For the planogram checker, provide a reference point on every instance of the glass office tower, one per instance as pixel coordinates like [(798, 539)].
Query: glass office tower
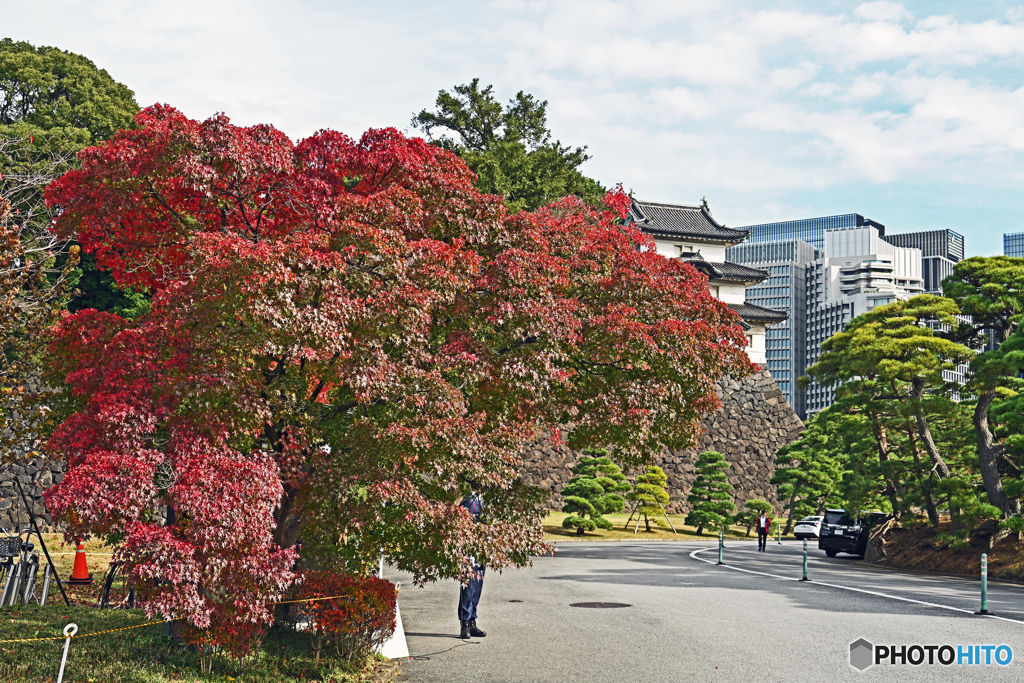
[(940, 251), (1013, 244), (784, 290), (810, 230)]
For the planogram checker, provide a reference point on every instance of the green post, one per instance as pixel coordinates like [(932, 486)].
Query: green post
[(778, 529), (721, 543), (805, 562), (984, 584)]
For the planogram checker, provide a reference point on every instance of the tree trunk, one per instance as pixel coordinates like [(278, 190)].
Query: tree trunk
[(929, 500), (938, 464), (892, 491), (288, 518), (792, 511), (988, 457)]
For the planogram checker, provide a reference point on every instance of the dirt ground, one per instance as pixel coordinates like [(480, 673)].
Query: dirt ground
[(923, 550)]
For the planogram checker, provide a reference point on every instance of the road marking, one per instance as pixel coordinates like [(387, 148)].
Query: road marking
[(693, 556)]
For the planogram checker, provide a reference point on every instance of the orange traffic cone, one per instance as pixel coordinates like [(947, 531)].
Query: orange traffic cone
[(80, 575)]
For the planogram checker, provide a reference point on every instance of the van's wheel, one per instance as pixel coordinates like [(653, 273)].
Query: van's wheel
[(831, 553)]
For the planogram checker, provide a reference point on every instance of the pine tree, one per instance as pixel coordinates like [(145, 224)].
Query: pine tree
[(710, 495), (650, 496), (593, 492)]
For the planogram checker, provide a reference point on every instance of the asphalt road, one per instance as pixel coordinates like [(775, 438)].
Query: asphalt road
[(689, 619)]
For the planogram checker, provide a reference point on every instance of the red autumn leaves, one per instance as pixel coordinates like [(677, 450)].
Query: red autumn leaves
[(343, 331)]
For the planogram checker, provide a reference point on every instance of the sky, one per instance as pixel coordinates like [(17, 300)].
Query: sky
[(911, 114)]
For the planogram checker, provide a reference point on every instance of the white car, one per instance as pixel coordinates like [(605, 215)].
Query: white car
[(808, 527)]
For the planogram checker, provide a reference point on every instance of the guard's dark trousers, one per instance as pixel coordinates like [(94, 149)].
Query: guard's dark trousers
[(469, 595), (762, 539)]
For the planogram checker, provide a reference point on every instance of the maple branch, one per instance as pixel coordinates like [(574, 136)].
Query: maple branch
[(517, 345), (163, 202)]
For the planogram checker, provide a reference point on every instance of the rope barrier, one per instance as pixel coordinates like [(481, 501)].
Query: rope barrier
[(84, 635), (151, 623)]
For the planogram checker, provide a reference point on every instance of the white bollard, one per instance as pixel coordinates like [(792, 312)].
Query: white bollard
[(73, 628)]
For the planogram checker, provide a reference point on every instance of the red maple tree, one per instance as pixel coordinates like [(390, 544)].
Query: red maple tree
[(342, 333)]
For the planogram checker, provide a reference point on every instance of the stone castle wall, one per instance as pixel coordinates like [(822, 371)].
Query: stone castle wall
[(754, 423), (36, 475)]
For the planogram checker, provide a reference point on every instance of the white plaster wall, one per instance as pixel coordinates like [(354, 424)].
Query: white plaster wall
[(715, 253), (732, 294), (756, 343)]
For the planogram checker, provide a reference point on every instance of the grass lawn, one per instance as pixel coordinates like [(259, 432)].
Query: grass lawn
[(555, 532), (144, 654)]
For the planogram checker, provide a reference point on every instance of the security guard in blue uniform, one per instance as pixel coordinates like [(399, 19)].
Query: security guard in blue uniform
[(469, 593)]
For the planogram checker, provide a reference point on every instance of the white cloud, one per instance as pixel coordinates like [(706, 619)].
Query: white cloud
[(882, 11), (791, 77), (745, 100)]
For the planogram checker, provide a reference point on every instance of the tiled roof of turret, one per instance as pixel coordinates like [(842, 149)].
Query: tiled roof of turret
[(682, 221), (759, 313), (726, 271)]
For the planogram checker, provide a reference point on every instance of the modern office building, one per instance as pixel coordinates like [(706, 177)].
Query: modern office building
[(810, 230), (787, 263), (690, 234), (940, 251), (1013, 244), (858, 271), (823, 289)]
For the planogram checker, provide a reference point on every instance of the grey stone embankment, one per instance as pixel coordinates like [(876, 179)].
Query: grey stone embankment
[(36, 475), (755, 421)]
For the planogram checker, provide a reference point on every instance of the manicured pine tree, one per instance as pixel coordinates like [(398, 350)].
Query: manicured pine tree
[(650, 495), (593, 492), (710, 495)]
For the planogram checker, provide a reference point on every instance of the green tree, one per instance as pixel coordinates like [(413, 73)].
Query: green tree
[(752, 509), (54, 103), (887, 365), (509, 148), (990, 291), (593, 492), (650, 495), (44, 90), (709, 494), (809, 470)]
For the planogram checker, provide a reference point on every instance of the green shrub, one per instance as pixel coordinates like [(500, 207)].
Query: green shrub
[(710, 495), (593, 492), (650, 496)]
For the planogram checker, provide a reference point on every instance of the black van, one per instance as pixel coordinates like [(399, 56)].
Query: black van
[(842, 534)]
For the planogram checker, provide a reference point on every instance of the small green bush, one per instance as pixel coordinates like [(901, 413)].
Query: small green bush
[(650, 496), (593, 492)]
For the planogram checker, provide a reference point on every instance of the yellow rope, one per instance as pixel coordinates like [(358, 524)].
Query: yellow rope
[(84, 635), (162, 621)]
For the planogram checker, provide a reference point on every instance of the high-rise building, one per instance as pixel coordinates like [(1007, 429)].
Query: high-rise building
[(810, 230), (858, 271), (823, 289), (1013, 244), (785, 289), (940, 251)]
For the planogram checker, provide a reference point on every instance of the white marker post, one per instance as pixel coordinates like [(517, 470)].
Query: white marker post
[(69, 632)]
